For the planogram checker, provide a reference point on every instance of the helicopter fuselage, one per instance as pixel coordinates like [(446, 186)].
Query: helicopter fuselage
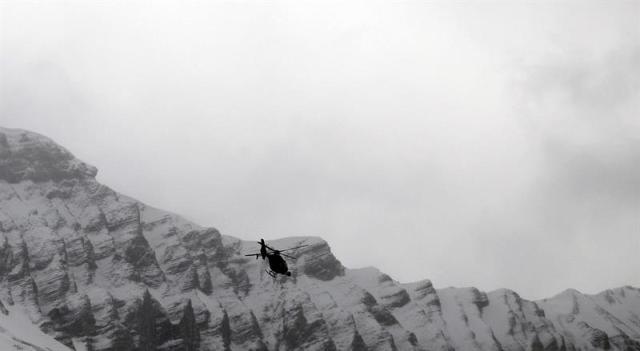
[(278, 264)]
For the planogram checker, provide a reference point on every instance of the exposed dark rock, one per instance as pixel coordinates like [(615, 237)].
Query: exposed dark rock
[(368, 299), (59, 194), (225, 329), (6, 258), (596, 337), (146, 324), (3, 309), (189, 329), (321, 264), (383, 316), (298, 331), (480, 299), (397, 299), (384, 278), (73, 320), (624, 343), (413, 340), (379, 313), (192, 281), (536, 345), (206, 285), (358, 343)]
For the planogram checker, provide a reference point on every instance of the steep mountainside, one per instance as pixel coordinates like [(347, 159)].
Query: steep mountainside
[(17, 332), (98, 270)]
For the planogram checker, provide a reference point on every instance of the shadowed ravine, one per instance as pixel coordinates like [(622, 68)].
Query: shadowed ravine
[(98, 270)]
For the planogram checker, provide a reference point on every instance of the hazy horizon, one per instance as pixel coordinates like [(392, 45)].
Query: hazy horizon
[(487, 144)]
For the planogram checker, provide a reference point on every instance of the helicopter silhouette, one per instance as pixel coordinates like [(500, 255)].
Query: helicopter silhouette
[(277, 264)]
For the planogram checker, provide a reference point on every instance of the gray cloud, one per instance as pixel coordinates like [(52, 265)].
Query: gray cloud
[(471, 143), (585, 116)]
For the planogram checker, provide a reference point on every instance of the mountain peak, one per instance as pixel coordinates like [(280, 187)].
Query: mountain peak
[(102, 271), (26, 155)]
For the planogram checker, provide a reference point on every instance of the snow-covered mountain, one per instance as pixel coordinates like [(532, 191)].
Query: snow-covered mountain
[(98, 270), (18, 332)]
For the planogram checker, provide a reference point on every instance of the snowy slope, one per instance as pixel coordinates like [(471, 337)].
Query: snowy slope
[(17, 332), (98, 270), (608, 319)]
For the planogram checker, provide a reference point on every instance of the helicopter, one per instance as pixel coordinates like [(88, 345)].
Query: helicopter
[(277, 264)]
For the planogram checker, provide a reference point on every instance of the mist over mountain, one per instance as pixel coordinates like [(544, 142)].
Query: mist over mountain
[(83, 267)]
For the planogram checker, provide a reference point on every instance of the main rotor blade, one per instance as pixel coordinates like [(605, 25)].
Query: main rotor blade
[(253, 254), (285, 255), (293, 248)]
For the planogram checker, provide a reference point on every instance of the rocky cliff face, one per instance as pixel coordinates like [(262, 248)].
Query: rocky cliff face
[(100, 271)]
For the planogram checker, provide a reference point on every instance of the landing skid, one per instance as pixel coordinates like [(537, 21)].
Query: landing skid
[(271, 273)]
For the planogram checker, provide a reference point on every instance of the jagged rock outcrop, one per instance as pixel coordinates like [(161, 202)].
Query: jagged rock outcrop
[(98, 270)]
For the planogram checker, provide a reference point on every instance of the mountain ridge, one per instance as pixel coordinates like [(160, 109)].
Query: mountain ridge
[(99, 270)]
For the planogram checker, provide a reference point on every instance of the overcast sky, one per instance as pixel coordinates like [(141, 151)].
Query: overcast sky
[(479, 143)]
